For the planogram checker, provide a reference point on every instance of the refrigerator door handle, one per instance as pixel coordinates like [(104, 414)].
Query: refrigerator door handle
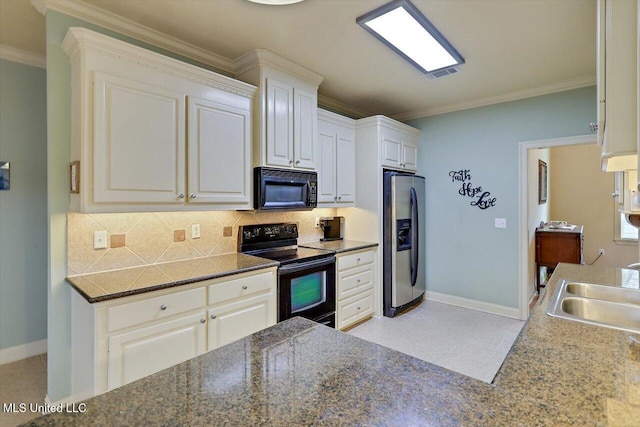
[(414, 237)]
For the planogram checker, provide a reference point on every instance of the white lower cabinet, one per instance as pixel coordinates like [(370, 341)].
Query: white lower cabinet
[(355, 284), (119, 341), (143, 351), (241, 307)]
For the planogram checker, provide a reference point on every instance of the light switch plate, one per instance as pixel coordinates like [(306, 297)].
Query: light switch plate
[(501, 222), (100, 239)]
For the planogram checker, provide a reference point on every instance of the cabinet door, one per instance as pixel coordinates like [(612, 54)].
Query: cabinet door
[(409, 156), (391, 151), (232, 321), (601, 69), (327, 164), (279, 123), (219, 153), (144, 351), (305, 124), (139, 142), (346, 167)]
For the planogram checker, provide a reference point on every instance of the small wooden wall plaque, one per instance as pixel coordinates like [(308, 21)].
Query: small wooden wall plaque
[(74, 177)]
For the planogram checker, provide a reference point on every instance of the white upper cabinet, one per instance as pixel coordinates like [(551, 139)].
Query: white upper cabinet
[(617, 75), (153, 133), (286, 110), (219, 153), (336, 160), (399, 147)]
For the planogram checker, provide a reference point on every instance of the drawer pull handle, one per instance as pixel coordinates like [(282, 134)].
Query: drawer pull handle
[(213, 316), (203, 320), (163, 307), (244, 287)]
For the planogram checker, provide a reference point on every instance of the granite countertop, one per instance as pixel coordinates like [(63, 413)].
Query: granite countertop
[(339, 246), (130, 281), (297, 372)]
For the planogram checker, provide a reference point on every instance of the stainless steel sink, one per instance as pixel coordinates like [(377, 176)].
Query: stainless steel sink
[(606, 293), (609, 306)]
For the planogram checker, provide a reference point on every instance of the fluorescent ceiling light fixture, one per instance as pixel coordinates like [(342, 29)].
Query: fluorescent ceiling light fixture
[(402, 27), (275, 2)]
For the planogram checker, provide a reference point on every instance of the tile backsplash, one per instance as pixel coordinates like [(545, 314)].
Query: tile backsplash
[(138, 239)]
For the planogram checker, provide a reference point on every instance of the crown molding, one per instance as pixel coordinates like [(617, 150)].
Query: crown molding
[(576, 83), (340, 107), (22, 56), (389, 123), (264, 57), (127, 27)]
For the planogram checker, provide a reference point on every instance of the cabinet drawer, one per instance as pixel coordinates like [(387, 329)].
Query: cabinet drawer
[(354, 260), (354, 281), (241, 287), (355, 309), (155, 308)]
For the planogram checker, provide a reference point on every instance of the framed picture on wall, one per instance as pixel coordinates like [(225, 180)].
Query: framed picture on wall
[(542, 182), (4, 175)]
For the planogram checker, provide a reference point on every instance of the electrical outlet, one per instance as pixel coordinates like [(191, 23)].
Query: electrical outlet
[(600, 251), (500, 222), (195, 231), (317, 222), (100, 239)]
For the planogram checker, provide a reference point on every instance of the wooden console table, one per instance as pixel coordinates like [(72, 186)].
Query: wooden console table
[(554, 245)]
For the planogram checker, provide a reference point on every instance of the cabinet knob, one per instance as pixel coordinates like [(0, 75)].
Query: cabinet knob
[(339, 197), (358, 281), (244, 287), (358, 260), (192, 195), (615, 194), (358, 308), (181, 195), (163, 307), (213, 316), (290, 162), (297, 162)]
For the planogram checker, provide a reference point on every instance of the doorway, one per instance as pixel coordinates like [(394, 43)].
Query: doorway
[(524, 227)]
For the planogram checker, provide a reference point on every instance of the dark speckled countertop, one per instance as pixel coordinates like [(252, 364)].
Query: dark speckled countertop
[(340, 246), (130, 281), (297, 372)]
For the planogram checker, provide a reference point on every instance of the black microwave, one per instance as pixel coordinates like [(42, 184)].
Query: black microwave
[(284, 189)]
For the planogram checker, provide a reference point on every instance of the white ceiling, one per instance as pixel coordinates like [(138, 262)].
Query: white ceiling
[(512, 48)]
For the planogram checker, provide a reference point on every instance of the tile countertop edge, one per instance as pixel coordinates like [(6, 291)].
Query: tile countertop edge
[(340, 246), (71, 280)]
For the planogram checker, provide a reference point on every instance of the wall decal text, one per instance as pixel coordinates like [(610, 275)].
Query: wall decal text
[(483, 199)]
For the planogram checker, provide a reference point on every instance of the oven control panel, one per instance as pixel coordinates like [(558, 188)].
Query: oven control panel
[(267, 232)]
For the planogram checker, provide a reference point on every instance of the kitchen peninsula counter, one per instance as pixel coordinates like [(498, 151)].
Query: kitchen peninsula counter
[(136, 280), (297, 372)]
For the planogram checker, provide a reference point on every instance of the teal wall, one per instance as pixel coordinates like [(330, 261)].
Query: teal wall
[(23, 209), (59, 136), (465, 255)]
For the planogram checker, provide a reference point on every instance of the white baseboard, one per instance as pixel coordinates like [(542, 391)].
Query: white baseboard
[(486, 307), (19, 352)]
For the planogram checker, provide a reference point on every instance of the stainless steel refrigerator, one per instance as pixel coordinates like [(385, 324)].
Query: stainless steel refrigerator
[(403, 248)]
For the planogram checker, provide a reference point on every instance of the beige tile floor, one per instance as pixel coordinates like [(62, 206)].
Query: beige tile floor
[(466, 341), (24, 381), (470, 342)]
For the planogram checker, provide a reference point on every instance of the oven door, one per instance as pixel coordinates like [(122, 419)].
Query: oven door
[(308, 289)]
